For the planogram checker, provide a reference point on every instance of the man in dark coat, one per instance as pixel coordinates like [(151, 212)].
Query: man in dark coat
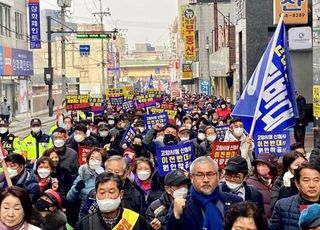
[(286, 212), (206, 205), (301, 122)]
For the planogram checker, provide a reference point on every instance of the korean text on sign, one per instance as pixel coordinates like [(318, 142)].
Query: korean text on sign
[(272, 142), (173, 157), (221, 152), (151, 120), (77, 102)]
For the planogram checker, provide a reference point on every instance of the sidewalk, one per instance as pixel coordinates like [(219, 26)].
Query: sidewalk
[(22, 121)]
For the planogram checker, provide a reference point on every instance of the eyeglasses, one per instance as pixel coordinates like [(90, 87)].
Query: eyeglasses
[(201, 176), (234, 177)]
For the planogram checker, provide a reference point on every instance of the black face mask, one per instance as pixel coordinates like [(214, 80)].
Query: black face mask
[(138, 148), (43, 205), (169, 139)]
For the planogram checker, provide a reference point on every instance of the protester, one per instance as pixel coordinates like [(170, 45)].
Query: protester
[(206, 205), (310, 218), (68, 125), (20, 175), (284, 185), (286, 212), (49, 204), (235, 182), (119, 124), (44, 169), (184, 134), (143, 171), (103, 136), (170, 136), (264, 174), (236, 133), (9, 141), (201, 136), (110, 214), (223, 112), (205, 146), (176, 186), (85, 182), (16, 210), (298, 147), (244, 216)]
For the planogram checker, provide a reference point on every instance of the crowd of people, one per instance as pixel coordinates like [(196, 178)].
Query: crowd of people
[(117, 184)]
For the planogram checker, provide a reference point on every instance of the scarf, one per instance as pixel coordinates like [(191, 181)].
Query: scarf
[(213, 217), (21, 226)]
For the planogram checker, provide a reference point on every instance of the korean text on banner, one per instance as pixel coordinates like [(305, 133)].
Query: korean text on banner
[(128, 135), (175, 156), (77, 102), (272, 142), (221, 152), (97, 104), (221, 131), (189, 35), (268, 102), (116, 101), (82, 153), (34, 24), (151, 120)]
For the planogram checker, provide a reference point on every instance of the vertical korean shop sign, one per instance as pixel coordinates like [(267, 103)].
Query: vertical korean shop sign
[(34, 24), (316, 100), (295, 11), (189, 35)]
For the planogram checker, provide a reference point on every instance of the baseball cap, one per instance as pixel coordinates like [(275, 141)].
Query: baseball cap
[(267, 158), (237, 164), (175, 178), (310, 217), (102, 125), (35, 121)]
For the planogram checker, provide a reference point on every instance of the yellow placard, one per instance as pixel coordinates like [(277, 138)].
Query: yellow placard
[(295, 11), (316, 100)]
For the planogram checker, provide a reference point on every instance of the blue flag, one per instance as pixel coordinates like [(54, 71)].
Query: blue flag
[(268, 102)]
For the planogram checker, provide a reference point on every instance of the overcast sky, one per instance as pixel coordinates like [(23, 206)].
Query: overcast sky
[(141, 20)]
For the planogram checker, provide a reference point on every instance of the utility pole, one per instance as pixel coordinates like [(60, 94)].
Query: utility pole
[(48, 72), (63, 4), (101, 14)]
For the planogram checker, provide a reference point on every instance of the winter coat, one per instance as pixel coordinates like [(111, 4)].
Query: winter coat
[(55, 220), (89, 178), (204, 149), (95, 221), (159, 209), (157, 187), (88, 141), (192, 216), (286, 213), (27, 180), (266, 193), (275, 191)]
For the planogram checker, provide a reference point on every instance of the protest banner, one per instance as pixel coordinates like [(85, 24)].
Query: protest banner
[(173, 157), (169, 106), (152, 119), (221, 131), (114, 92), (82, 153), (272, 142), (221, 152), (116, 101), (171, 113), (155, 94), (97, 104), (128, 136), (143, 101), (77, 102), (128, 105)]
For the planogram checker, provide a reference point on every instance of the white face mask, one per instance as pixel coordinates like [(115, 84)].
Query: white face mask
[(201, 136), (58, 143), (143, 175), (188, 126), (93, 164), (111, 122), (211, 138), (233, 186), (238, 132), (36, 129), (43, 173), (180, 193), (178, 122), (3, 130), (160, 138), (103, 133), (184, 138), (78, 137), (108, 205), (67, 127), (12, 172), (88, 132)]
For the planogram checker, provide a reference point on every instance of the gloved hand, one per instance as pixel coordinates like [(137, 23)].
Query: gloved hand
[(287, 179), (80, 185)]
